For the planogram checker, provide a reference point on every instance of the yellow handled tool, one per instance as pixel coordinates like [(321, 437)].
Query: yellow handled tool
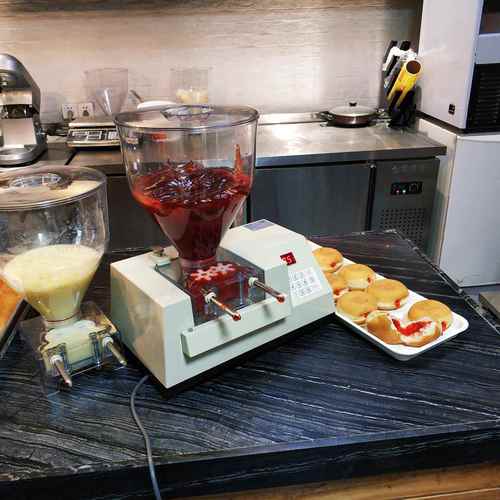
[(405, 81)]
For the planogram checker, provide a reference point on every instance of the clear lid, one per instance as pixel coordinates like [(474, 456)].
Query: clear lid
[(41, 187), (187, 117)]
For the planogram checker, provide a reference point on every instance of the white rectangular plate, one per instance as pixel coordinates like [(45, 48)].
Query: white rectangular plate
[(400, 351)]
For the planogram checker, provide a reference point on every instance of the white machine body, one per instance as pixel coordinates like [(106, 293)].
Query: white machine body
[(156, 321)]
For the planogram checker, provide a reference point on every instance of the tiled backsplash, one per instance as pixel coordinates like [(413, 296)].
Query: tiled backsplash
[(278, 55)]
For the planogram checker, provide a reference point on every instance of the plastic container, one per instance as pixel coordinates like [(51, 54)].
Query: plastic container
[(190, 85), (192, 168), (108, 87), (53, 233)]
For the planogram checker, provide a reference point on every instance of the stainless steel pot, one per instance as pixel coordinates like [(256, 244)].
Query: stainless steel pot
[(352, 115)]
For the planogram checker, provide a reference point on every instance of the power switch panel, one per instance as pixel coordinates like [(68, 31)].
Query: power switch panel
[(402, 188)]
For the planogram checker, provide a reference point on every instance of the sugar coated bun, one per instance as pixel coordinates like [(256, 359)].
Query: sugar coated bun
[(380, 324), (390, 294), (329, 259), (338, 285), (9, 300), (356, 306), (358, 276), (432, 309), (420, 332)]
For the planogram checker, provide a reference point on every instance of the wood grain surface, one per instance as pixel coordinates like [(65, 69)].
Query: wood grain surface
[(322, 405), (481, 482)]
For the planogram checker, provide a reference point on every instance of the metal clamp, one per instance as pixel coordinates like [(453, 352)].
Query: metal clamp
[(254, 282), (57, 359), (108, 342), (211, 298)]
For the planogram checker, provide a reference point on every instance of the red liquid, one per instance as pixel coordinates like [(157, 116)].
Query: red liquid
[(193, 205)]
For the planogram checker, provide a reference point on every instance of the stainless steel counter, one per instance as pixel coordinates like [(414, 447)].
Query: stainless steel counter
[(286, 144), (309, 143)]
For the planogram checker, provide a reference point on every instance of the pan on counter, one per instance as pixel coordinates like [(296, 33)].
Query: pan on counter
[(352, 115)]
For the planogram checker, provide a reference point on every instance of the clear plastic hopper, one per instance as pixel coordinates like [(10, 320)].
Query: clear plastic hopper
[(53, 233), (192, 168)]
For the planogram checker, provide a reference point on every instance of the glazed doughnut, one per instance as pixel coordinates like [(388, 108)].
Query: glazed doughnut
[(390, 294), (432, 309), (337, 284), (358, 276), (329, 259), (356, 306)]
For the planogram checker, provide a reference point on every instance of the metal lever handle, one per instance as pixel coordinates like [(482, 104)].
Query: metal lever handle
[(211, 297), (280, 297), (57, 361), (115, 351)]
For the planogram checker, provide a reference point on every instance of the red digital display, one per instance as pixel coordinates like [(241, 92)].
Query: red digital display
[(288, 258)]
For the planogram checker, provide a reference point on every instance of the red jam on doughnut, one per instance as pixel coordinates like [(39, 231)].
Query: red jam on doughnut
[(411, 328)]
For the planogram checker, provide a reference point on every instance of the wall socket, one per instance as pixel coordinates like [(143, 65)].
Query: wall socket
[(80, 110), (85, 109), (69, 111)]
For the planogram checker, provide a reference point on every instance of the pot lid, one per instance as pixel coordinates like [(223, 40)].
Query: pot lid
[(353, 110), (41, 187), (187, 117)]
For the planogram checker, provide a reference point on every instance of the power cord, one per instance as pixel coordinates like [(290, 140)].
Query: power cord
[(138, 422)]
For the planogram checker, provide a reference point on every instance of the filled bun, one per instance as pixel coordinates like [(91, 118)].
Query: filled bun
[(329, 259), (358, 276), (390, 294), (338, 285), (356, 306), (418, 333), (433, 309), (393, 331), (380, 324)]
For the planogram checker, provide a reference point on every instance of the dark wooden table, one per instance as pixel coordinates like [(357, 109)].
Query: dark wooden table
[(324, 404)]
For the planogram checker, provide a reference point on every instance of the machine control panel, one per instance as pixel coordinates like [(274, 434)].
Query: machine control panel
[(304, 282), (402, 188)]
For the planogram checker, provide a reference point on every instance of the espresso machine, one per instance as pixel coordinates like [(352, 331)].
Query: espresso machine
[(22, 139), (218, 292)]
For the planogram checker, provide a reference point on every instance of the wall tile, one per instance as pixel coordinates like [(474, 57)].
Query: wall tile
[(282, 55)]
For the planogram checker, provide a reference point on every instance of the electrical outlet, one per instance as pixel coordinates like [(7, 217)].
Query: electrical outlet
[(69, 111), (85, 109)]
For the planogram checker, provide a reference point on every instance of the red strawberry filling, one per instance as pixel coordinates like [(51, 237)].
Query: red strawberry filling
[(411, 328)]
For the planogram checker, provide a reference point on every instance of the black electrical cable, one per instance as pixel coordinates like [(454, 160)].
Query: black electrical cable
[(151, 465)]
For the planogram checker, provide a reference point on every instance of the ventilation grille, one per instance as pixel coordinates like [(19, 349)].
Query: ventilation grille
[(409, 221), (484, 104)]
